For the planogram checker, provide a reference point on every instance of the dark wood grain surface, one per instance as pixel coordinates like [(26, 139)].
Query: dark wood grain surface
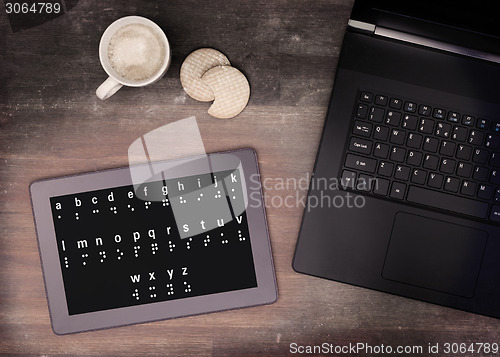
[(52, 124)]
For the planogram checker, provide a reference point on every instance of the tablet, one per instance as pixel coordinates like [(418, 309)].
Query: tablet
[(155, 241)]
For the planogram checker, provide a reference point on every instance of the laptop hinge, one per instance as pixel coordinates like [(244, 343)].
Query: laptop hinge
[(362, 27), (427, 42)]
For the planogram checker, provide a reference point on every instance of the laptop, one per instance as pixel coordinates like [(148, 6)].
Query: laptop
[(405, 193)]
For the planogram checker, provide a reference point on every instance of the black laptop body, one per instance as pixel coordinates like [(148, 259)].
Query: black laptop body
[(405, 195)]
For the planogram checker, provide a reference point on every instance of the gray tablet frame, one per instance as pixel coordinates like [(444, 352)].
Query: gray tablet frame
[(62, 323)]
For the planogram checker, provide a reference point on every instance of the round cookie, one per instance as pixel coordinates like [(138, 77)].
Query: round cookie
[(231, 91), (193, 68)]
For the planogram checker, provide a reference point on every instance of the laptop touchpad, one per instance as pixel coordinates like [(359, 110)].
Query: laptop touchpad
[(434, 254)]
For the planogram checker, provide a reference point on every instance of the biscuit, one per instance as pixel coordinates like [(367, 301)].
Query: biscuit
[(193, 68), (231, 90)]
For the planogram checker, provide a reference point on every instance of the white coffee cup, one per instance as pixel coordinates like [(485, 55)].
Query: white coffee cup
[(134, 52)]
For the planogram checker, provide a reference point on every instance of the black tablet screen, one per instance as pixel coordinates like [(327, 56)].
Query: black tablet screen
[(163, 240)]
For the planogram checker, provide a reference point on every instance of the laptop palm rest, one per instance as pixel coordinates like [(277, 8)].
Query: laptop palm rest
[(434, 254)]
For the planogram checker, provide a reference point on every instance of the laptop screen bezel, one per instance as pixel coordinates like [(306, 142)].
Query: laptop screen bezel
[(476, 34)]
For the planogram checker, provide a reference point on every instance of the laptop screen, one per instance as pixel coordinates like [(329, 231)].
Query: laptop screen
[(473, 24), (476, 16)]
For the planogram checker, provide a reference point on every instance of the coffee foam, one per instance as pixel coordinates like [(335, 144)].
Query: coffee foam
[(136, 52)]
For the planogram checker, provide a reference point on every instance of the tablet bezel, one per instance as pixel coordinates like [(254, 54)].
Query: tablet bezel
[(62, 323)]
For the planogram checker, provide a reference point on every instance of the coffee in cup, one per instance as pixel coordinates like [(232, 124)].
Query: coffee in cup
[(135, 52)]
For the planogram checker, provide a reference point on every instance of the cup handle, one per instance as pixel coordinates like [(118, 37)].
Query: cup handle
[(108, 88)]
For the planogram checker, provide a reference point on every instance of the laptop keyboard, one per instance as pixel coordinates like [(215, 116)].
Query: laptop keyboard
[(408, 151)]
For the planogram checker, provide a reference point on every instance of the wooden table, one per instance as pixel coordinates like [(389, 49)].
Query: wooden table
[(52, 124)]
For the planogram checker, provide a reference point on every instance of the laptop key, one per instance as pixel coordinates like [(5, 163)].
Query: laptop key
[(418, 176), (393, 118), (468, 120), (362, 129), (431, 162), (364, 183), (414, 158), (398, 154), (366, 97), (447, 148), (439, 113), (464, 152), (398, 190), (381, 150), (476, 137), (484, 192), (443, 130), (381, 100), (448, 202), (495, 159), (424, 110), (495, 213), (381, 187), (385, 168), (454, 117), (395, 103), (452, 184), (376, 114), (362, 111), (426, 126), (397, 137), (482, 124), (464, 169), (496, 198), (381, 133), (447, 166), (468, 188), (435, 180), (481, 173), (492, 141), (361, 146), (414, 140), (360, 163), (410, 122), (459, 133), (410, 107), (495, 177), (431, 144), (480, 156), (348, 178), (402, 173)]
